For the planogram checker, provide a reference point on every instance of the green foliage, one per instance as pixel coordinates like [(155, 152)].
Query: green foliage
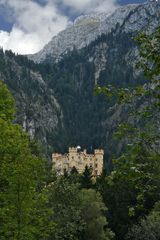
[(22, 180), (148, 228), (78, 214), (149, 53), (74, 176), (65, 201), (86, 178), (118, 194), (123, 95), (7, 104), (132, 188), (93, 210)]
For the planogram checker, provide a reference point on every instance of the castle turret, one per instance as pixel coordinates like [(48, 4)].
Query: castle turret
[(72, 150), (98, 153)]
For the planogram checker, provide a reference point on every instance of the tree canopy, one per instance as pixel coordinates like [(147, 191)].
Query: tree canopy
[(22, 178)]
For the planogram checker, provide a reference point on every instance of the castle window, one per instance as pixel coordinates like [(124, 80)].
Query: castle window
[(96, 165)]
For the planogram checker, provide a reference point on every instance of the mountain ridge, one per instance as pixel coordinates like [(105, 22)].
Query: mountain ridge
[(88, 28)]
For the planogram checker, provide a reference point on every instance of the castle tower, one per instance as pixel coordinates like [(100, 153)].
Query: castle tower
[(72, 157), (72, 150), (98, 165)]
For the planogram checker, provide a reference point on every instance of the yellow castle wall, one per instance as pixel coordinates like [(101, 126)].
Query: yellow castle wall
[(79, 160)]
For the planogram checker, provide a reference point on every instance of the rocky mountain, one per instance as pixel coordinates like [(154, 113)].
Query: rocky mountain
[(37, 109), (55, 98), (85, 29)]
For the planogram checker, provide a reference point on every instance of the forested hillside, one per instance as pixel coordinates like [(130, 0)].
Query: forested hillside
[(90, 120), (57, 103), (37, 109)]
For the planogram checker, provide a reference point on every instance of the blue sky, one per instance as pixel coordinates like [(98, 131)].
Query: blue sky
[(7, 26), (27, 25)]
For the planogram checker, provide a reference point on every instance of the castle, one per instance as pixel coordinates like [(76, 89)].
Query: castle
[(78, 159)]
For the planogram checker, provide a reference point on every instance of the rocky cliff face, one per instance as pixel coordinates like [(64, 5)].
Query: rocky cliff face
[(85, 29), (37, 109)]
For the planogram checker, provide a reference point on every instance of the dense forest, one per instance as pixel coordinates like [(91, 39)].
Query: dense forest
[(36, 204), (57, 102)]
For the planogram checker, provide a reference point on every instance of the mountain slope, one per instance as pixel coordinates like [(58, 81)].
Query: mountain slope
[(85, 29), (38, 110), (90, 120)]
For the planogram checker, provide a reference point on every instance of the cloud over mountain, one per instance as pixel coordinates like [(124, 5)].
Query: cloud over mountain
[(33, 25), (35, 22)]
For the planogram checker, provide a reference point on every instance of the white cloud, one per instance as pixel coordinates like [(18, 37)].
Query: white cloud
[(20, 42), (35, 24)]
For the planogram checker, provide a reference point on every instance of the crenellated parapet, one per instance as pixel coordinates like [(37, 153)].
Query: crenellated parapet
[(99, 151)]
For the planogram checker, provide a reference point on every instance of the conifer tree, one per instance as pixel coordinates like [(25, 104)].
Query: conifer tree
[(86, 178)]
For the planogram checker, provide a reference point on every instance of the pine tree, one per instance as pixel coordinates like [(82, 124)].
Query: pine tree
[(86, 178)]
